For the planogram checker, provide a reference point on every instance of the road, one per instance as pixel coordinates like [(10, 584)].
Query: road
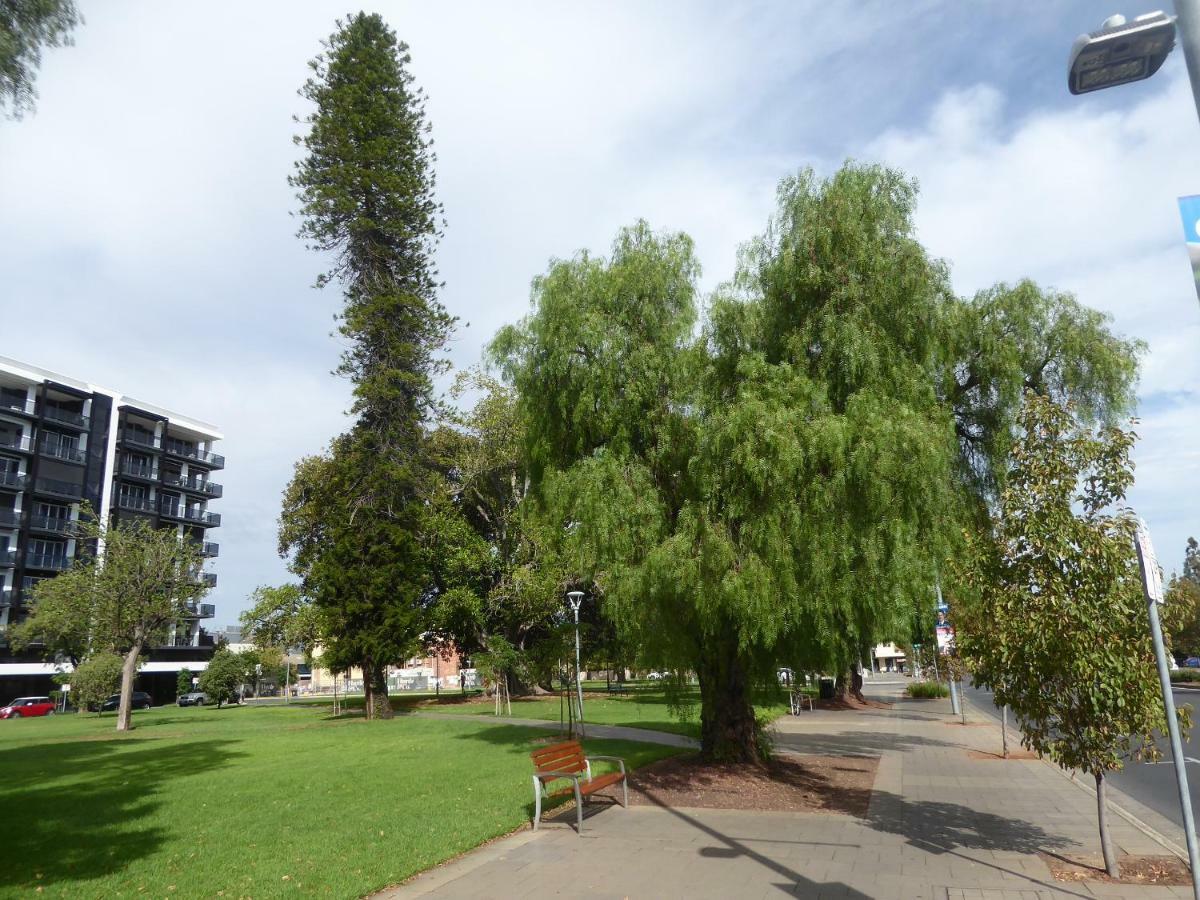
[(1150, 783)]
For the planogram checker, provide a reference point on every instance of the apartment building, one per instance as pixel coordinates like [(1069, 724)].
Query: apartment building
[(64, 442)]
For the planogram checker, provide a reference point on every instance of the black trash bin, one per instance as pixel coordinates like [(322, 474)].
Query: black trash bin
[(825, 686)]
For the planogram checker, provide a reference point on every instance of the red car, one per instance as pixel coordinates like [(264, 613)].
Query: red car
[(27, 706)]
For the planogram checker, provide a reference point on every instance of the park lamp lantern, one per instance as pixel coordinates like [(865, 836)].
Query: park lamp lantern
[(1120, 52)]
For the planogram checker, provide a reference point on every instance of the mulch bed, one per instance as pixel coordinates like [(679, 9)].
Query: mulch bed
[(1165, 870), (833, 784), (1015, 753)]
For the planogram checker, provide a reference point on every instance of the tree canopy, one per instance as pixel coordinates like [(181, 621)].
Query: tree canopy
[(26, 27)]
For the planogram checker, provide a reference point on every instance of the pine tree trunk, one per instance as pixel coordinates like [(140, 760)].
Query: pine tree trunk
[(728, 732), (378, 704), (128, 673), (1110, 860)]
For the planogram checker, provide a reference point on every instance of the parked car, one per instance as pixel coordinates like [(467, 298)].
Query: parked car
[(656, 676), (193, 698), (1192, 662), (141, 700), (24, 707)]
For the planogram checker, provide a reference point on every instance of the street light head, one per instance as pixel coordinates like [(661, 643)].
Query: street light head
[(1120, 52), (575, 597)]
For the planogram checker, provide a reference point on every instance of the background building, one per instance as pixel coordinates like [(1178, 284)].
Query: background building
[(64, 442)]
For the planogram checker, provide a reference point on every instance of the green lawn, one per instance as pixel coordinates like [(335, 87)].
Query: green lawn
[(645, 706), (255, 802)]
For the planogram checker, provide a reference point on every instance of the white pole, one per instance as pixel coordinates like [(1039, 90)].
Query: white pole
[(1187, 27)]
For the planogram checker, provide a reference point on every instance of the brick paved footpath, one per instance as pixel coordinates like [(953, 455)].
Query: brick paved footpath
[(941, 825)]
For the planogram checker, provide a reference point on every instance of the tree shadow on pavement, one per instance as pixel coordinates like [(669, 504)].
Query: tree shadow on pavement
[(73, 809), (854, 743)]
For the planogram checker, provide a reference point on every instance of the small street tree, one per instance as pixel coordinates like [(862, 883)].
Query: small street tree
[(226, 672), (145, 580), (95, 679), (183, 682), (1067, 647)]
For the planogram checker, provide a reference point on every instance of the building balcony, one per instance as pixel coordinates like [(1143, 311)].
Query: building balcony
[(139, 439), (8, 559), (64, 452), (195, 486), (136, 504), (50, 562), (9, 518), (23, 407), (55, 488), (20, 444), (194, 454), (11, 481), (8, 597), (202, 610), (210, 550), (65, 417), (50, 524), (174, 510), (137, 470), (209, 578)]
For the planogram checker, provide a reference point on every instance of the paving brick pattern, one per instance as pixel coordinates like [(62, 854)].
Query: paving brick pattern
[(941, 826)]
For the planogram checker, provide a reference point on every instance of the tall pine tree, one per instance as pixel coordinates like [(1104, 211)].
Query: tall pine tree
[(366, 188)]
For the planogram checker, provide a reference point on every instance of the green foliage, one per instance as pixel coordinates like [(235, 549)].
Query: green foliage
[(1068, 645), (95, 680), (183, 682), (1191, 561), (26, 26), (1186, 675), (927, 690), (1181, 615), (282, 617), (225, 675)]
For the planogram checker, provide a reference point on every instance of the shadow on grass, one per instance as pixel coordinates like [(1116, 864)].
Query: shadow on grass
[(73, 809)]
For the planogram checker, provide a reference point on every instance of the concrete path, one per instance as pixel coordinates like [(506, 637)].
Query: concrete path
[(941, 825), (615, 732)]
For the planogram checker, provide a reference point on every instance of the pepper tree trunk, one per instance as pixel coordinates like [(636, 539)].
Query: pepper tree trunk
[(378, 704), (1110, 860), (728, 731), (128, 673)]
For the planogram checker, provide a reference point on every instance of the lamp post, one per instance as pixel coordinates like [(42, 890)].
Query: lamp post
[(575, 598)]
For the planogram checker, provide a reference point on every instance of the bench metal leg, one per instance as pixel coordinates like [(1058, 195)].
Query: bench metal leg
[(625, 791), (578, 810), (537, 802)]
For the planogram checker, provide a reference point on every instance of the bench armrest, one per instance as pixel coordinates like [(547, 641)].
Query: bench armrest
[(615, 759)]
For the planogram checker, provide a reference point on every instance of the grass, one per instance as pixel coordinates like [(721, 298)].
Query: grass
[(927, 690), (255, 802), (645, 706)]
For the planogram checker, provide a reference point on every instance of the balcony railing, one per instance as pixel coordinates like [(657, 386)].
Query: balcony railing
[(8, 559), (28, 407), (204, 518), (139, 470), (195, 485), (65, 416), (63, 451), (59, 488), (202, 610), (9, 517), (210, 550), (137, 504), (188, 451), (53, 524), (209, 578), (13, 481), (7, 597), (21, 443), (51, 561), (140, 438)]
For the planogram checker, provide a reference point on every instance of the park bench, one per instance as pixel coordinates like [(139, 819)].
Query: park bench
[(566, 761)]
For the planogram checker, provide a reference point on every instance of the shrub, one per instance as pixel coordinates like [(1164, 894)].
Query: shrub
[(1186, 675), (97, 678), (927, 690)]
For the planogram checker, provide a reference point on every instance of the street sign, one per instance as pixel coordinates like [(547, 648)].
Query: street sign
[(1151, 574), (1189, 211)]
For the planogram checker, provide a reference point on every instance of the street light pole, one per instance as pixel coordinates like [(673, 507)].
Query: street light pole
[(1187, 28), (575, 598)]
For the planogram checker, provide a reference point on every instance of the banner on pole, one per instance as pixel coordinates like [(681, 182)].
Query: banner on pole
[(1189, 211)]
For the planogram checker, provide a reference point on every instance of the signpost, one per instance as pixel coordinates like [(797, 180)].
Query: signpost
[(1153, 590)]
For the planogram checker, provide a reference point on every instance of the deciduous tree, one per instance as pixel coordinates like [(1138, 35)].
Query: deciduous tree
[(95, 679), (26, 27), (1068, 649)]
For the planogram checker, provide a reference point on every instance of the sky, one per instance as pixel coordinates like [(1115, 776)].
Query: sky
[(147, 237)]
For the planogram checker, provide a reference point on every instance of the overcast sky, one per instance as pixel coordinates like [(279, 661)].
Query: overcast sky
[(146, 242)]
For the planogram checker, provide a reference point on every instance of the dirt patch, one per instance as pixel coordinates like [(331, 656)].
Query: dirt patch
[(833, 784), (849, 702), (1012, 754), (1166, 870)]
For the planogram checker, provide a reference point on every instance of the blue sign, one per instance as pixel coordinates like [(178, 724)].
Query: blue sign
[(1189, 211)]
